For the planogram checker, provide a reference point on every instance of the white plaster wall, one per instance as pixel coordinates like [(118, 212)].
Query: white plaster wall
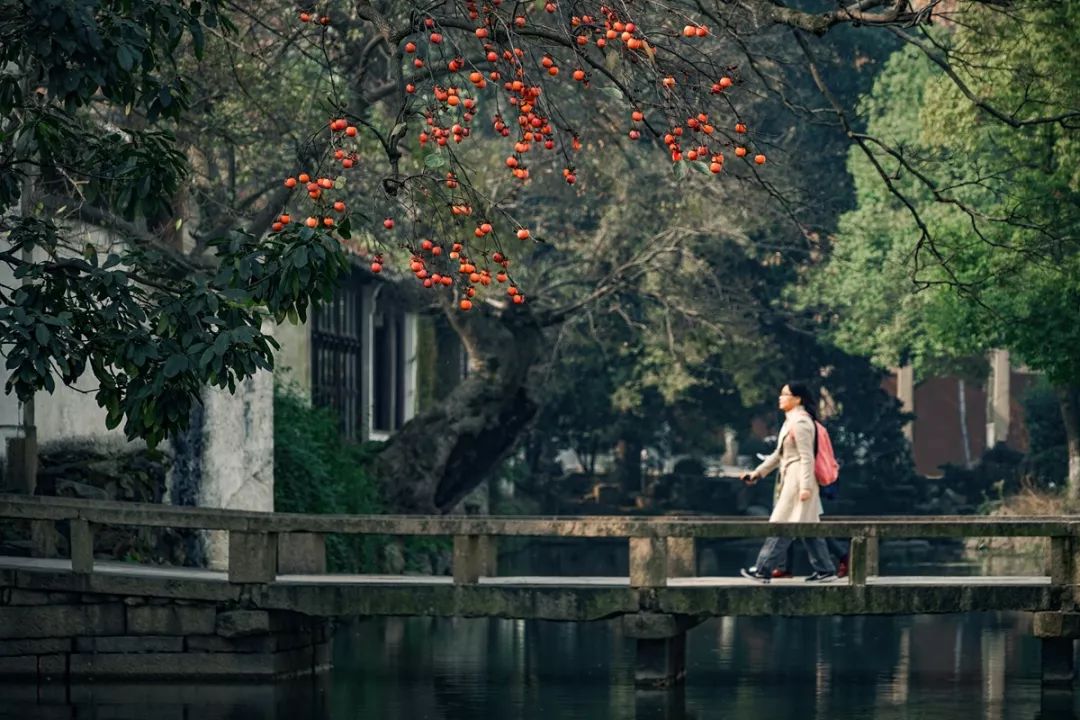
[(238, 454), (412, 398), (73, 413), (292, 362)]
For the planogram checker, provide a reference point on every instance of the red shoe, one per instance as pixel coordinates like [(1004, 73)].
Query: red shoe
[(778, 573), (841, 569)]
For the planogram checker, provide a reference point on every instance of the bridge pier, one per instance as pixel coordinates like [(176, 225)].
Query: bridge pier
[(661, 647), (1057, 633)]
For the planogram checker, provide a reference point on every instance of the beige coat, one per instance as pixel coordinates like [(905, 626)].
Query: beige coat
[(794, 455)]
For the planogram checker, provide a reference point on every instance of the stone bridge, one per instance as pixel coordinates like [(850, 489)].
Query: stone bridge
[(269, 613)]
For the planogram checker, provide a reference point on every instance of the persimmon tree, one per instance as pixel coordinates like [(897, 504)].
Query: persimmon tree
[(440, 202)]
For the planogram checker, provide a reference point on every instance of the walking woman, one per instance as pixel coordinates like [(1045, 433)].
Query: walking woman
[(798, 497)]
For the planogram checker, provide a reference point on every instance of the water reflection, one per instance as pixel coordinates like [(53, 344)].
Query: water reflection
[(932, 668)]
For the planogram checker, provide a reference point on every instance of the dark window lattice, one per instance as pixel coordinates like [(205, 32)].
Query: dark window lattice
[(337, 357)]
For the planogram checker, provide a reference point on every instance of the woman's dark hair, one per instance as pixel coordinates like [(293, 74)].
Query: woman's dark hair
[(803, 393)]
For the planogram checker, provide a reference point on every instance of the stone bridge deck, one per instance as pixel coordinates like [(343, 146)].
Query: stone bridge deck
[(267, 614), (544, 598)]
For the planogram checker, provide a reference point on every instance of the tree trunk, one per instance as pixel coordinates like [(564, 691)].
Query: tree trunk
[(1069, 399), (432, 462)]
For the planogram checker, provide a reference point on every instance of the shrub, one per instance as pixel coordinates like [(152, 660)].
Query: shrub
[(316, 471), (1048, 459)]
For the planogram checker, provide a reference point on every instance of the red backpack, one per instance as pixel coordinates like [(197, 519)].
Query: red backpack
[(826, 469)]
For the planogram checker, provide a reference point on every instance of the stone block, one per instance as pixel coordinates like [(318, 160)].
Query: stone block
[(216, 644), (173, 665), (15, 596), (42, 621), (193, 665), (648, 562), (42, 666), (470, 559), (82, 547), (51, 667), (170, 620), (301, 554), (655, 626), (15, 710), (681, 557), (18, 666), (38, 646), (238, 623), (1056, 625), (252, 557), (130, 644)]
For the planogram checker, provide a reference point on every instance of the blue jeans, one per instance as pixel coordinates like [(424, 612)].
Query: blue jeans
[(774, 551), (840, 548)]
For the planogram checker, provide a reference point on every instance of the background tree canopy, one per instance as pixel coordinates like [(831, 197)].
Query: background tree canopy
[(982, 250)]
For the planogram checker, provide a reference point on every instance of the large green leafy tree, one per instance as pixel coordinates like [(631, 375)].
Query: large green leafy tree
[(972, 244), (91, 94)]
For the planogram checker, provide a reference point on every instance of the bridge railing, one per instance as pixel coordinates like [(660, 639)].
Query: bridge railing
[(263, 545)]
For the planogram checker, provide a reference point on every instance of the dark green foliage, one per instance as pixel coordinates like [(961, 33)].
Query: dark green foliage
[(152, 324), (152, 331), (1048, 460), (124, 49), (315, 471)]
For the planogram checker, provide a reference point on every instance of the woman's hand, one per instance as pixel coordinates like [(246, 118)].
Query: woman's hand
[(804, 495), (750, 478)]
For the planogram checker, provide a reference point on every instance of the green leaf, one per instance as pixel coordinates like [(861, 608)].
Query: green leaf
[(42, 334), (435, 160), (125, 57), (612, 92), (175, 365)]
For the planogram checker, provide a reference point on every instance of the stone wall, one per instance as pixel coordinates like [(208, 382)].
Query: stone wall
[(63, 635)]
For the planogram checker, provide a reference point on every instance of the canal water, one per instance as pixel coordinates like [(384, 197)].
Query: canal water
[(932, 668)]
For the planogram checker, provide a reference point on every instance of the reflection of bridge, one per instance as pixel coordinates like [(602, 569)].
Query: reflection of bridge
[(267, 614)]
